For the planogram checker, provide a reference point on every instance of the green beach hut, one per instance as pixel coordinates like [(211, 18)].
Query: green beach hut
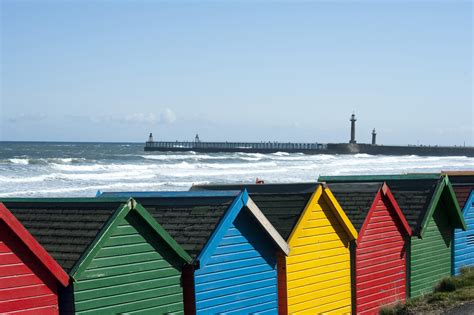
[(429, 205), (120, 260)]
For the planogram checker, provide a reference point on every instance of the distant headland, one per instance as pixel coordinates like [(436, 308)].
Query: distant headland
[(352, 147)]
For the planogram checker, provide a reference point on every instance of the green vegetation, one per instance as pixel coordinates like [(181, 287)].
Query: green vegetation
[(449, 292)]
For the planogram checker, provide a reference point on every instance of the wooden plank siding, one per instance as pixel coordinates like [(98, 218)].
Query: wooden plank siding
[(240, 276), (318, 268), (134, 272), (430, 259), (25, 285), (429, 205), (380, 261), (464, 240)]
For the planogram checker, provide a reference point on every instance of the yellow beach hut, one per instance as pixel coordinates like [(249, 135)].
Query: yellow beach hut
[(315, 277)]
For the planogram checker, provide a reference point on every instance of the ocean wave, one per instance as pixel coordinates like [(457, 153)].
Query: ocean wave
[(163, 157), (169, 157), (92, 189), (250, 158), (42, 161), (237, 165), (362, 155), (80, 168), (281, 153), (225, 174), (66, 160), (131, 169), (25, 179), (260, 155), (108, 176), (101, 167), (19, 161)]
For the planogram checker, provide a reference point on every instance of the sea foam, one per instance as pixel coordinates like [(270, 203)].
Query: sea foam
[(82, 169)]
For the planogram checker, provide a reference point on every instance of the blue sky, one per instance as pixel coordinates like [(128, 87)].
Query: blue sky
[(117, 70)]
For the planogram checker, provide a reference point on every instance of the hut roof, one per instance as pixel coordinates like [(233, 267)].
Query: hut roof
[(282, 204), (355, 199), (190, 221), (64, 227), (191, 218), (463, 185), (416, 195)]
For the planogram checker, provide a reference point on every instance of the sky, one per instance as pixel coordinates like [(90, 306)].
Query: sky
[(237, 71)]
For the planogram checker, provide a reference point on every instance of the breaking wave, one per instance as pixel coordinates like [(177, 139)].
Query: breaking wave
[(82, 169)]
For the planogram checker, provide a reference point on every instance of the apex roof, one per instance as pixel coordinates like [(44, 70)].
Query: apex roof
[(282, 204), (10, 222), (64, 227), (412, 193), (189, 220), (192, 217), (355, 199), (416, 194), (463, 185)]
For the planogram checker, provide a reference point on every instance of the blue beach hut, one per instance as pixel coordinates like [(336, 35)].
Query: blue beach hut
[(233, 246), (463, 249), (464, 240)]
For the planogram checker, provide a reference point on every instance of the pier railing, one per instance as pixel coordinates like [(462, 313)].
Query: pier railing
[(235, 145)]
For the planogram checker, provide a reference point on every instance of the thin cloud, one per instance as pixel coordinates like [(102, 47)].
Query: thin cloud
[(27, 117), (166, 117)]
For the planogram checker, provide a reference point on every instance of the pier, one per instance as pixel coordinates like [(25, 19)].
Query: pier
[(350, 147), (248, 147)]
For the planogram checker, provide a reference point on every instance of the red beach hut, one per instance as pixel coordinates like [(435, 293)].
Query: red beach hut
[(379, 254), (29, 276)]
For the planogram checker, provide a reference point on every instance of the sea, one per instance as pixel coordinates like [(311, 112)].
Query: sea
[(82, 169)]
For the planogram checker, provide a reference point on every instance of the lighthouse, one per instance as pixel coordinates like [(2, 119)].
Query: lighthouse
[(353, 129), (374, 137)]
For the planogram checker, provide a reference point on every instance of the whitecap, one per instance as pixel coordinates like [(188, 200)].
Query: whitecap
[(25, 179), (20, 161), (281, 153)]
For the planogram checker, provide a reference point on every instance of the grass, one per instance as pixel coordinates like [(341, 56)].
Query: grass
[(449, 292)]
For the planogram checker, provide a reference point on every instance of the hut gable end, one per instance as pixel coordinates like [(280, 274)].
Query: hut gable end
[(25, 284), (464, 240), (131, 247), (29, 276), (379, 260), (463, 254), (319, 263), (65, 230), (239, 273)]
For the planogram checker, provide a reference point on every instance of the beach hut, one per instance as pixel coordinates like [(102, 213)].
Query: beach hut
[(380, 251), (233, 246), (463, 249), (432, 211), (315, 278), (120, 260), (29, 277)]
